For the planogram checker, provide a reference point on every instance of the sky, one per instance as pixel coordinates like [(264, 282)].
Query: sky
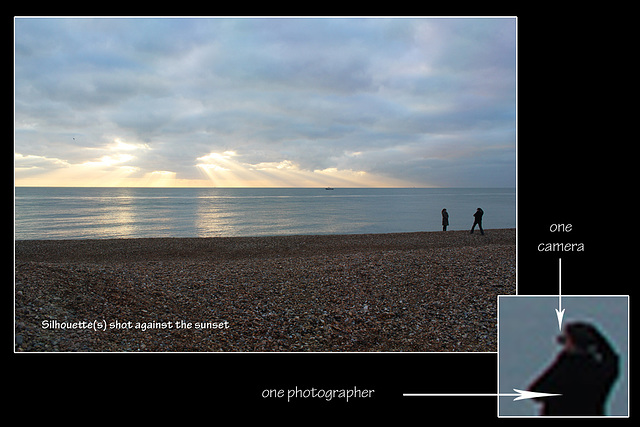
[(265, 102)]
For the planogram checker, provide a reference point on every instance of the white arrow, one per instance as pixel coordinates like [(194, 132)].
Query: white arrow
[(524, 394), (519, 394), (560, 310)]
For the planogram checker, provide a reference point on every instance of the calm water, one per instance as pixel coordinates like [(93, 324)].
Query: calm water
[(81, 213)]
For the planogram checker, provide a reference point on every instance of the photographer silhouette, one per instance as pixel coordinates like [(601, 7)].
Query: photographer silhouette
[(583, 373)]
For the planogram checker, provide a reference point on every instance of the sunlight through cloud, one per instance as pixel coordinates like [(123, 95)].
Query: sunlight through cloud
[(223, 170)]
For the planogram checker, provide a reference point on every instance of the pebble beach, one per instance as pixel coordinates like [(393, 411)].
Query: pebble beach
[(411, 292)]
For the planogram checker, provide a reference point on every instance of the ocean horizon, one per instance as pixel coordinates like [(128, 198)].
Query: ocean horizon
[(142, 212)]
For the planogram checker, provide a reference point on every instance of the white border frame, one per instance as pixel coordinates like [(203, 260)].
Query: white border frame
[(568, 416)]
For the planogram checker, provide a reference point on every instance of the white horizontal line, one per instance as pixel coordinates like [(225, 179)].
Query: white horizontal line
[(457, 394)]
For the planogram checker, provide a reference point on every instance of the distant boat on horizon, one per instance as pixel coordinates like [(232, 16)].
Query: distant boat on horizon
[(328, 188)]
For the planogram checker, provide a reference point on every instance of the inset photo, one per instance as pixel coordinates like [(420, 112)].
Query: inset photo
[(582, 360)]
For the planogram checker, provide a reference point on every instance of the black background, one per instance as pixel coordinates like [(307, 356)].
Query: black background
[(569, 171)]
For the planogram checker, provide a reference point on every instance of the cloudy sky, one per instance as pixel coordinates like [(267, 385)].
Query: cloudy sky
[(390, 102)]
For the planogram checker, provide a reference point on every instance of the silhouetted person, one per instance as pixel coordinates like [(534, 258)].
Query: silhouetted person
[(477, 220), (445, 219), (583, 373)]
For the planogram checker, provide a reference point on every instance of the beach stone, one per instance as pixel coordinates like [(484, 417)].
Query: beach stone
[(427, 291)]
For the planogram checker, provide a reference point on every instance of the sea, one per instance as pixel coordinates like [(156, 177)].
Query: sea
[(106, 213)]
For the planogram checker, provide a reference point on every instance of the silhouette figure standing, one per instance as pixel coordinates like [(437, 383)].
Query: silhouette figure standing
[(478, 220), (583, 373), (445, 219)]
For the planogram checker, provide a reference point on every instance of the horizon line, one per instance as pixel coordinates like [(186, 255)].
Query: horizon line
[(213, 187)]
